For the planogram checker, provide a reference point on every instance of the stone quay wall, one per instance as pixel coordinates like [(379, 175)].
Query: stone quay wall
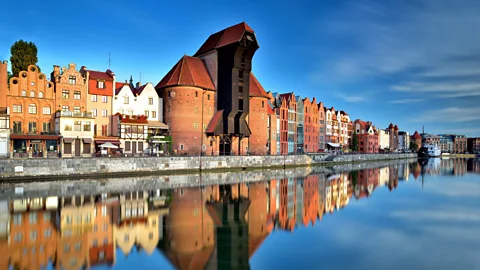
[(16, 169)]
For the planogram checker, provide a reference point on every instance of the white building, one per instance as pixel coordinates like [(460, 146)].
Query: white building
[(403, 140), (76, 129), (139, 100), (384, 139)]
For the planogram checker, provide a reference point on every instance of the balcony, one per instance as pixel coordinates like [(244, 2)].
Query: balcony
[(73, 114)]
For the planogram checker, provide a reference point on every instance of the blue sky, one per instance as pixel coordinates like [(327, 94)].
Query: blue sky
[(413, 63)]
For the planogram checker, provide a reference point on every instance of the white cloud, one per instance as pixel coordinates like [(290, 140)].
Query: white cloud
[(406, 101), (449, 115)]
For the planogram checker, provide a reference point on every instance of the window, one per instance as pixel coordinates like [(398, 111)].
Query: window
[(127, 146), (17, 108), (240, 75), (46, 127), (65, 94), (65, 108), (95, 243), (76, 109), (17, 219), (77, 95), (105, 227), (77, 125), (95, 228), (154, 114), (104, 210), (195, 125), (146, 113), (94, 112), (32, 127), (94, 98), (72, 80), (195, 109), (47, 233), (150, 101), (181, 147), (105, 241), (46, 111), (126, 238), (87, 126), (100, 84), (18, 237), (240, 89), (32, 109), (104, 130), (263, 104), (24, 93), (125, 100), (68, 127), (17, 127), (40, 94), (196, 94), (47, 216), (208, 97), (104, 113), (32, 93), (240, 104), (204, 126), (68, 220), (104, 99), (78, 246)]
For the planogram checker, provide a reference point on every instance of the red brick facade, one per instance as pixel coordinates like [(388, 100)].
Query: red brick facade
[(367, 136)]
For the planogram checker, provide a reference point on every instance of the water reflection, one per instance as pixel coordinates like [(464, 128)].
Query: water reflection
[(215, 227)]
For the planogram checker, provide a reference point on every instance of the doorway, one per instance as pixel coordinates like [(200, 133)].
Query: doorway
[(78, 143)]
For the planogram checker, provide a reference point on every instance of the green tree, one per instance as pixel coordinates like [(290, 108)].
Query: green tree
[(9, 75), (413, 146), (23, 54), (354, 144)]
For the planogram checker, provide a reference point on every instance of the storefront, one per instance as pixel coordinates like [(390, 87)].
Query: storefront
[(101, 140), (40, 146)]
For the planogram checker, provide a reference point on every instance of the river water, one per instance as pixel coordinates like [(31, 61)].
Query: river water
[(403, 215)]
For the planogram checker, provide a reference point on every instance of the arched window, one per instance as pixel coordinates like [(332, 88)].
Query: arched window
[(32, 109), (40, 94), (24, 93), (32, 93)]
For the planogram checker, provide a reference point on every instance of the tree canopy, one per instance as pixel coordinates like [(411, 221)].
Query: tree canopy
[(413, 145), (23, 54), (354, 144)]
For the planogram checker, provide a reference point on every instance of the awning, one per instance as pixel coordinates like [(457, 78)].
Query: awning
[(334, 145), (68, 140), (87, 140), (113, 140), (108, 145), (33, 137), (157, 125)]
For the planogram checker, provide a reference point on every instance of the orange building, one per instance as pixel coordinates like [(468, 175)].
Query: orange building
[(417, 139), (189, 229), (70, 89), (288, 207), (310, 200), (101, 241), (189, 104), (259, 119), (31, 102), (310, 125), (33, 234)]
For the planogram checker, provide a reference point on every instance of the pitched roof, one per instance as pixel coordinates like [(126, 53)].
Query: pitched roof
[(225, 37), (214, 122), (139, 90), (416, 135), (256, 89), (100, 75), (188, 71), (117, 90)]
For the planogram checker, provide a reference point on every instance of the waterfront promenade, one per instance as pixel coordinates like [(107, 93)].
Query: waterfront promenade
[(56, 169)]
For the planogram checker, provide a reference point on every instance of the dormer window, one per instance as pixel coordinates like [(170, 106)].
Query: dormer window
[(72, 80), (101, 84)]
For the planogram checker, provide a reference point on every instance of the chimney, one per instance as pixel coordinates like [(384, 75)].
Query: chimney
[(138, 85), (3, 84)]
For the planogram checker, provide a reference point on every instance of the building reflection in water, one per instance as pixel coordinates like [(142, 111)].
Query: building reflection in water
[(208, 227)]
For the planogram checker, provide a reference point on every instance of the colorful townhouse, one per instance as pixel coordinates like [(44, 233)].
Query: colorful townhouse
[(72, 120), (29, 99), (367, 137), (311, 124), (139, 102), (300, 125), (100, 86), (4, 112), (321, 127)]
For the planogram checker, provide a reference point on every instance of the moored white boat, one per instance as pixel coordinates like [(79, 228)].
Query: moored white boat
[(433, 150)]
